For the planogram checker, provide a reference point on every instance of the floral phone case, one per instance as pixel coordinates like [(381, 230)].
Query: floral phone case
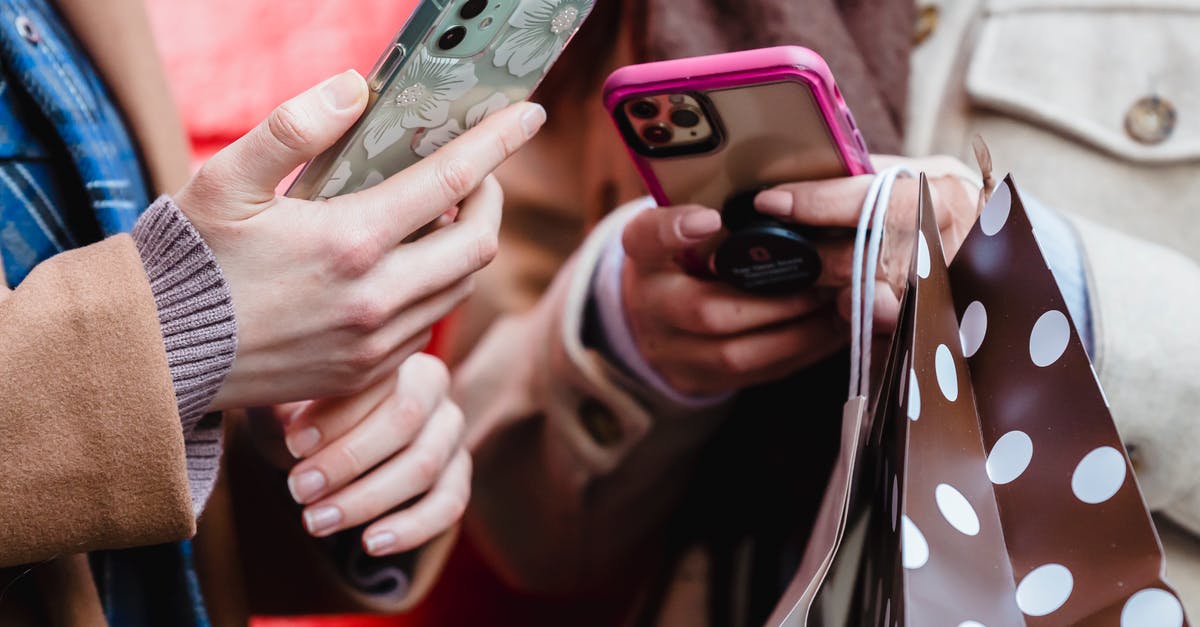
[(423, 95)]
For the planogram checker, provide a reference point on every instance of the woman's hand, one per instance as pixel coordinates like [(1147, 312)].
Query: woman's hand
[(705, 337), (838, 203), (397, 444), (329, 298)]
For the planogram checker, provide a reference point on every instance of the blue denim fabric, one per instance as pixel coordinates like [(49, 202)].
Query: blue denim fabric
[(69, 176)]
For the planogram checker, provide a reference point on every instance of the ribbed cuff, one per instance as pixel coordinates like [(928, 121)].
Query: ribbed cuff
[(195, 311)]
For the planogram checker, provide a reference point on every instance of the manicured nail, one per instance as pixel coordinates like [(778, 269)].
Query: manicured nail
[(533, 119), (774, 202), (322, 519), (306, 485), (343, 91), (380, 542), (303, 441), (698, 224)]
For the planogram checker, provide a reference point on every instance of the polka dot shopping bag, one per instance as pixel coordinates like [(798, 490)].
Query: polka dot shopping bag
[(984, 484)]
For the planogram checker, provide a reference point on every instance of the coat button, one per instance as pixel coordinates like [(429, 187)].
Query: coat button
[(599, 423), (927, 21), (27, 30), (1150, 120)]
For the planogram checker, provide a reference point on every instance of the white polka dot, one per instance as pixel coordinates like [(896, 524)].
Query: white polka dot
[(995, 213), (973, 328), (914, 550), (1049, 338), (922, 256), (1152, 608), (1099, 475), (956, 509), (971, 623), (1009, 457), (947, 373), (914, 396), (1045, 589)]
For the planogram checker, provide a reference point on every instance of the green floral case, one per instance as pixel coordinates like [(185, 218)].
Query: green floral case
[(424, 94)]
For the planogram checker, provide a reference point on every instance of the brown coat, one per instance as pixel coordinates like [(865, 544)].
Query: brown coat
[(91, 447)]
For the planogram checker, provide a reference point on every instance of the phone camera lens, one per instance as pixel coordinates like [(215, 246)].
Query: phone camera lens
[(685, 117), (451, 38), (472, 9), (658, 133), (646, 109)]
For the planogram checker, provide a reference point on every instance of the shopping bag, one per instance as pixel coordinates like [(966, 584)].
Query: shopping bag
[(984, 484)]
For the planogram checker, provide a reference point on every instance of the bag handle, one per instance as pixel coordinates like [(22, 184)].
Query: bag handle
[(862, 288)]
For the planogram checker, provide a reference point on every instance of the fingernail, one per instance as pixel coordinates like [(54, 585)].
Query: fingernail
[(380, 542), (774, 202), (303, 441), (699, 224), (533, 119), (343, 91), (322, 519), (306, 485)]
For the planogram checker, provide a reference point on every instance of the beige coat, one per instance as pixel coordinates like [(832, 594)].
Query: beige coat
[(576, 464), (91, 446)]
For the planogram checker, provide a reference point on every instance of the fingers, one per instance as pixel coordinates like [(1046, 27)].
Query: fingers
[(321, 422), (417, 196), (832, 202), (412, 472), (391, 426), (654, 236), (709, 308), (450, 254), (429, 517), (707, 366), (294, 133)]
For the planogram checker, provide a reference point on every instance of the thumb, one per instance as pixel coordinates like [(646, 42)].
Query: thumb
[(294, 133), (655, 236)]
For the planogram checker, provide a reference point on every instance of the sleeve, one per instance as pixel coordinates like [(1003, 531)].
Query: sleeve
[(577, 465), (90, 444), (199, 329), (1144, 299)]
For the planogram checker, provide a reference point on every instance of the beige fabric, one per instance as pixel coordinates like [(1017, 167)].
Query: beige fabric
[(92, 453), (90, 443), (1047, 84)]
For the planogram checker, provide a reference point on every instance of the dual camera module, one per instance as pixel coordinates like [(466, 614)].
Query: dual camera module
[(676, 122), (457, 34)]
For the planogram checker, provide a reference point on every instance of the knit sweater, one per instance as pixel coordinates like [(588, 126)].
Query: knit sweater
[(195, 311)]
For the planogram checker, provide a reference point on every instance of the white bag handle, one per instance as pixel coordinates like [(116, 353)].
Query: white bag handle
[(862, 306)]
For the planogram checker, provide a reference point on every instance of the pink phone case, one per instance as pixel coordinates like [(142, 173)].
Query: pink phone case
[(742, 69)]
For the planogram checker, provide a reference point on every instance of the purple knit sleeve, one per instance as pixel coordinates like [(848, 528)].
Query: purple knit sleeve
[(195, 311)]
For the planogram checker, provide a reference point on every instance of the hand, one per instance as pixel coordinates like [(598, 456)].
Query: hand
[(707, 338), (838, 203), (328, 297), (397, 444)]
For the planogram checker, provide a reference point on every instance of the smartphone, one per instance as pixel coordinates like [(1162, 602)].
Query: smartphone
[(716, 130), (454, 63)]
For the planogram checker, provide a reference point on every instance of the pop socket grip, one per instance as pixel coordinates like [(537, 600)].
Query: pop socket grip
[(763, 255)]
